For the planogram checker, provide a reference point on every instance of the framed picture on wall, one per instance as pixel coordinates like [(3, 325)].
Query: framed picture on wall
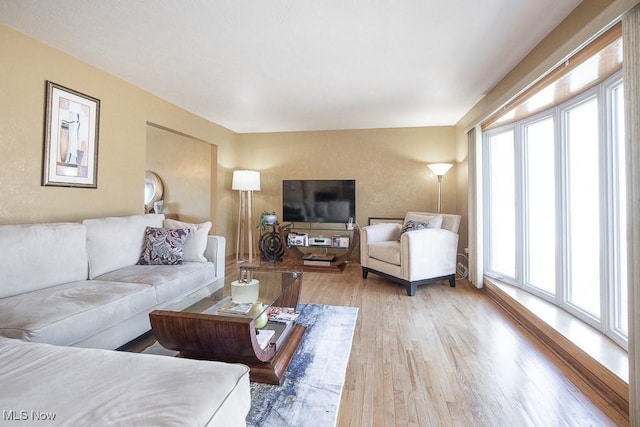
[(71, 138)]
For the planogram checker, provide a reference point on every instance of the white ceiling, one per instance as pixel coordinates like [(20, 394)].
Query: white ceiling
[(286, 65)]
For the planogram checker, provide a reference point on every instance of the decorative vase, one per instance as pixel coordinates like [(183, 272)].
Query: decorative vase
[(260, 315), (243, 291), (157, 206), (270, 219)]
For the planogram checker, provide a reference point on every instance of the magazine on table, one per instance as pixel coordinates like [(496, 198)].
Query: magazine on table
[(283, 314)]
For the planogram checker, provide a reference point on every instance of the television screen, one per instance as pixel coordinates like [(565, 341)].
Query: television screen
[(324, 200)]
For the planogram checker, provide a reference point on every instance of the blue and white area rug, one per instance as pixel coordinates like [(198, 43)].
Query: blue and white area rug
[(310, 391)]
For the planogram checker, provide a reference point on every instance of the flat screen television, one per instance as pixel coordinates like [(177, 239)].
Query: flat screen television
[(319, 200)]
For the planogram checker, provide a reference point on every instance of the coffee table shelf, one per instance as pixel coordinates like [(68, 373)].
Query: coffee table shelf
[(232, 338)]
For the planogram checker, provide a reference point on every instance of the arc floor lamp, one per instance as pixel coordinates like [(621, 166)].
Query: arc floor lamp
[(246, 182), (440, 170)]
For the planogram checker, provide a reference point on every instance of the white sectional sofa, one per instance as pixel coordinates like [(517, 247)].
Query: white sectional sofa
[(50, 385), (70, 285), (78, 284)]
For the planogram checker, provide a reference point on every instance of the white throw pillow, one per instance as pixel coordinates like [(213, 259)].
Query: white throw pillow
[(196, 242)]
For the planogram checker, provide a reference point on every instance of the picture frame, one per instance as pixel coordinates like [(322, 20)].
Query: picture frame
[(71, 138)]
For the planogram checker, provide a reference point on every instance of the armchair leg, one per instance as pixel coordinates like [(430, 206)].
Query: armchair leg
[(452, 281), (365, 272), (411, 288)]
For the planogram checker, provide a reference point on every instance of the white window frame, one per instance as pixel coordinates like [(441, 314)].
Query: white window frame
[(610, 240)]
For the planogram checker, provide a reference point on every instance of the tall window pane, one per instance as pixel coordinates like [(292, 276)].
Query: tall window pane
[(540, 207), (620, 309), (583, 206), (502, 241)]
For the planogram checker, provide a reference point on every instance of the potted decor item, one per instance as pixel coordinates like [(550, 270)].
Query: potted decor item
[(271, 249), (267, 219)]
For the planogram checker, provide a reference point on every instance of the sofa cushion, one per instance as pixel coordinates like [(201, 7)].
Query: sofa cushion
[(163, 246), (169, 281), (196, 242), (387, 251), (118, 388), (69, 313), (116, 242), (38, 256)]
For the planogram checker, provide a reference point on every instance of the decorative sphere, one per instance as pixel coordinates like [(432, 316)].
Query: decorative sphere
[(259, 309)]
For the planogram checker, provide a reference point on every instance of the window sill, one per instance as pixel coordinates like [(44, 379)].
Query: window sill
[(595, 357)]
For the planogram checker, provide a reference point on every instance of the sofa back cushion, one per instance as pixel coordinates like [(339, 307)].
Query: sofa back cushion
[(116, 242), (39, 256)]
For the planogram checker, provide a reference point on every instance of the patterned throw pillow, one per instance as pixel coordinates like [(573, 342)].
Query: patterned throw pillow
[(412, 226), (163, 246)]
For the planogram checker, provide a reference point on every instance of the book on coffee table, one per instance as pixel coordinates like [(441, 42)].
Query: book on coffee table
[(282, 314), (231, 307)]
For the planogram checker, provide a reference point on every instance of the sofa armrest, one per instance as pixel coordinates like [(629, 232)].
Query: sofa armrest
[(215, 253), (428, 253)]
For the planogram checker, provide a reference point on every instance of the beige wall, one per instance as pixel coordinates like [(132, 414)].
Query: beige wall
[(185, 167), (389, 166), (125, 112)]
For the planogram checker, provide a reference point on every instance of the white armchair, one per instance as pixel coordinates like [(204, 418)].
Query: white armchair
[(412, 258)]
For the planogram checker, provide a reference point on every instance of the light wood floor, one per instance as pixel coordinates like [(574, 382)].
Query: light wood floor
[(448, 357)]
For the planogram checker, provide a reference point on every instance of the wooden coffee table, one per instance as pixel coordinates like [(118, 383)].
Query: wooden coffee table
[(197, 330)]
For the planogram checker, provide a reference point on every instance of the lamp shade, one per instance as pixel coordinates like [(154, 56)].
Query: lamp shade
[(245, 180), (440, 169)]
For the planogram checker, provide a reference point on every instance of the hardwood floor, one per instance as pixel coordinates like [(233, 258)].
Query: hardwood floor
[(448, 357)]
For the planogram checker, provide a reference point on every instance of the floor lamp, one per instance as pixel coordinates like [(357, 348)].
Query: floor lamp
[(440, 169), (246, 182)]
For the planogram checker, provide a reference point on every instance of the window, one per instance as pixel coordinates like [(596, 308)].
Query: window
[(555, 207), (582, 207), (500, 172), (539, 202), (619, 321)]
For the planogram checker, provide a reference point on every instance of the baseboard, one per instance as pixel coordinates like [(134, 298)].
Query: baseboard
[(607, 384)]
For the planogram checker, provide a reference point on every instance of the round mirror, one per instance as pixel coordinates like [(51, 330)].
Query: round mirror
[(153, 189)]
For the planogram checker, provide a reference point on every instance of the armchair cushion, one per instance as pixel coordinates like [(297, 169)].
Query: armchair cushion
[(412, 225), (386, 251), (433, 221)]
